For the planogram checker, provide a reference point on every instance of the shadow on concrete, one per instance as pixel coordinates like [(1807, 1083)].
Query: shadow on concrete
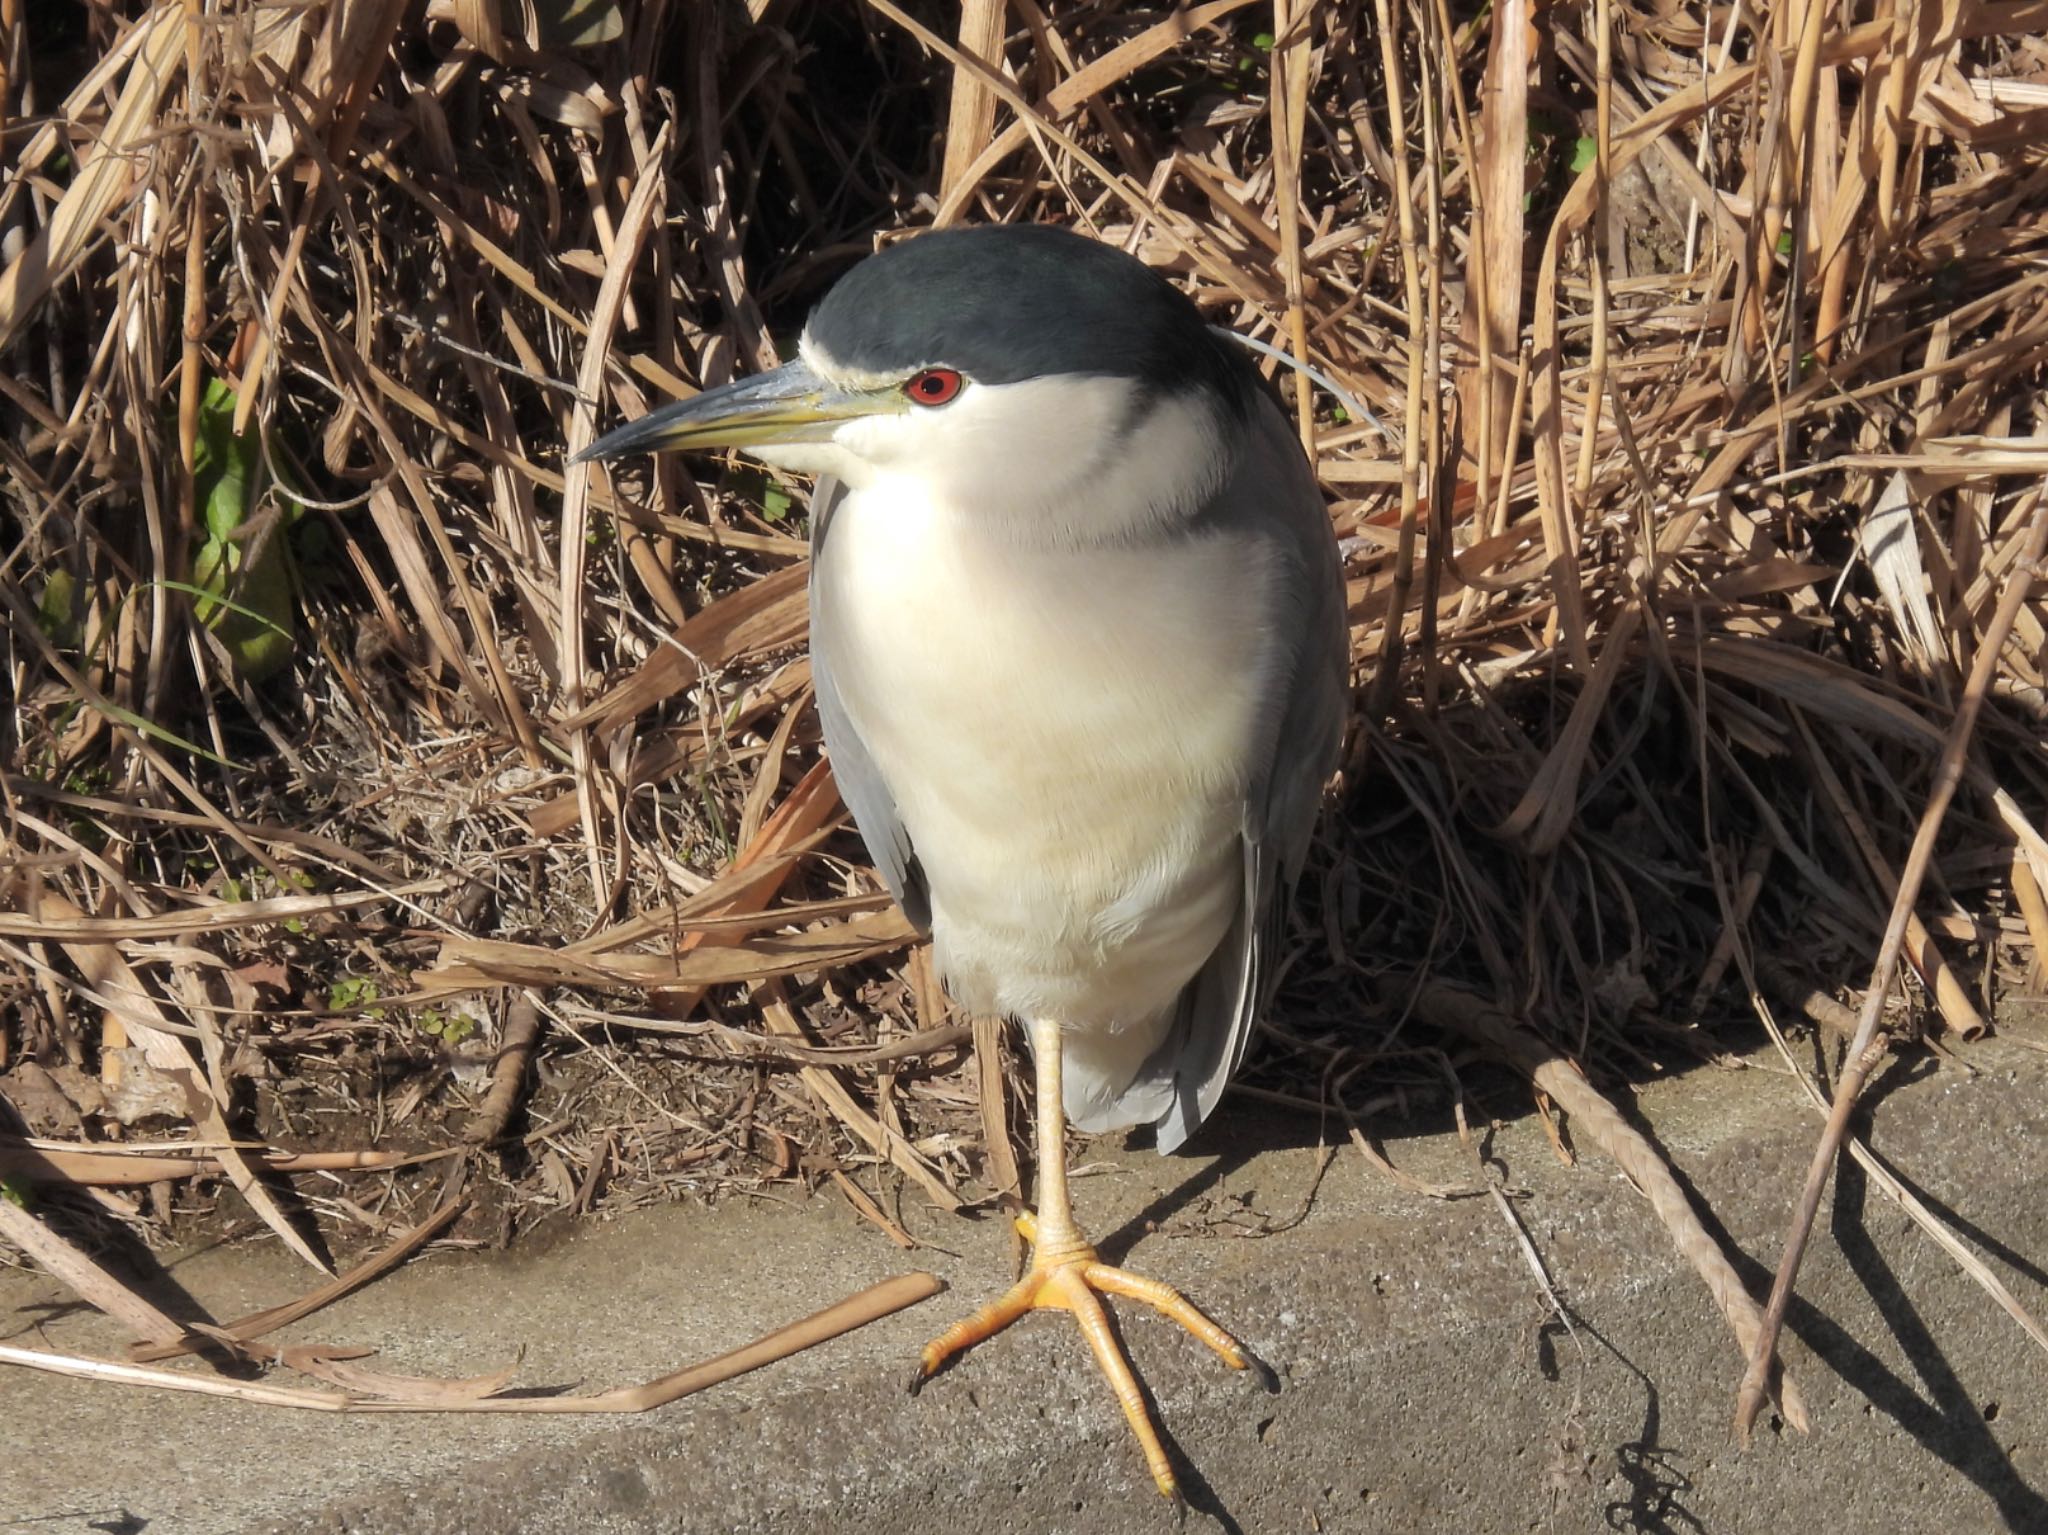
[(1656, 1485), (1943, 1419), (1201, 1496), (1116, 1246), (2018, 1262), (1246, 1145), (135, 1266)]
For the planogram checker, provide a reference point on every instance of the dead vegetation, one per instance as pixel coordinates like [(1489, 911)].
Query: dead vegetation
[(377, 799)]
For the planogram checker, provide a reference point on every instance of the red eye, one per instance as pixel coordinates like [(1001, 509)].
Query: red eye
[(934, 386)]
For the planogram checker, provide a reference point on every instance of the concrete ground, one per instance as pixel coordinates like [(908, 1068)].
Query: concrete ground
[(1427, 1388)]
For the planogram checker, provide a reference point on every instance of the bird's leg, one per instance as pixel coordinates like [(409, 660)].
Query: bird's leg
[(1066, 1275)]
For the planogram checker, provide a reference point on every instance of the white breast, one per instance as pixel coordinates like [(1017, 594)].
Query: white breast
[(1067, 735)]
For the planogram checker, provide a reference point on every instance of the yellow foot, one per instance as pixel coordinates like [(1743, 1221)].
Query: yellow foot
[(1066, 1276)]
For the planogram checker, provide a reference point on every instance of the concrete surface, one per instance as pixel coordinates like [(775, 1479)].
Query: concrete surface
[(1427, 1390)]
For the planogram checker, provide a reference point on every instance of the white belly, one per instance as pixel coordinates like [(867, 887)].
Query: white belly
[(1067, 736)]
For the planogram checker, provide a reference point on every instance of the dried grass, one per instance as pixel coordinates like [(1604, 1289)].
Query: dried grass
[(1716, 343)]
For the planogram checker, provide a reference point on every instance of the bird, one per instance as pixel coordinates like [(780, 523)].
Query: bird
[(1081, 659)]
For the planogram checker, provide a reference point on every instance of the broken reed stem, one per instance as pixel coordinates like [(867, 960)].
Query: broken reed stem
[(1900, 60), (190, 380), (258, 1323), (832, 1095), (1003, 1172), (143, 1019), (1442, 483), (119, 1167), (72, 1267), (1480, 432), (1597, 244), (1754, 867), (1821, 1010), (2026, 894), (604, 319), (972, 114), (508, 1071), (871, 1304), (1289, 61), (1750, 1395), (1388, 678), (1123, 188), (1517, 406)]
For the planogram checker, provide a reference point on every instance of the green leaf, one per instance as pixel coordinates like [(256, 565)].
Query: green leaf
[(1263, 41), (1785, 243), (260, 631), (16, 1191), (1584, 153), (567, 23), (353, 991), (61, 612), (224, 467), (243, 574), (759, 487), (209, 548)]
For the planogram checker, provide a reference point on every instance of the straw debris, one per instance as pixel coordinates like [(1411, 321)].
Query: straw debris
[(372, 792)]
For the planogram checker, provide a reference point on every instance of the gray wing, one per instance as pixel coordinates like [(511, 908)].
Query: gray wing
[(1272, 488), (860, 783)]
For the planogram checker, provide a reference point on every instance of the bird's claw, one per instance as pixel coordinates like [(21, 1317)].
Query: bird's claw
[(1066, 1275), (1263, 1375)]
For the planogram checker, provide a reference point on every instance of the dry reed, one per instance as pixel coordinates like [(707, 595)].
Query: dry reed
[(341, 727)]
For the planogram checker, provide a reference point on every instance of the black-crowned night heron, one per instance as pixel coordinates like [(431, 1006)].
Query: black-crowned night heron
[(1078, 636)]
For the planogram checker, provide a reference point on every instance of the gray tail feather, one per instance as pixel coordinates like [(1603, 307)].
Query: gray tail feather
[(1207, 1042)]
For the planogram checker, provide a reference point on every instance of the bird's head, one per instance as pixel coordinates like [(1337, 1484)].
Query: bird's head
[(997, 369)]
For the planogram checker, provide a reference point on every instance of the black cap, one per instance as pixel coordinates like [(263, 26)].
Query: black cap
[(1008, 302)]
